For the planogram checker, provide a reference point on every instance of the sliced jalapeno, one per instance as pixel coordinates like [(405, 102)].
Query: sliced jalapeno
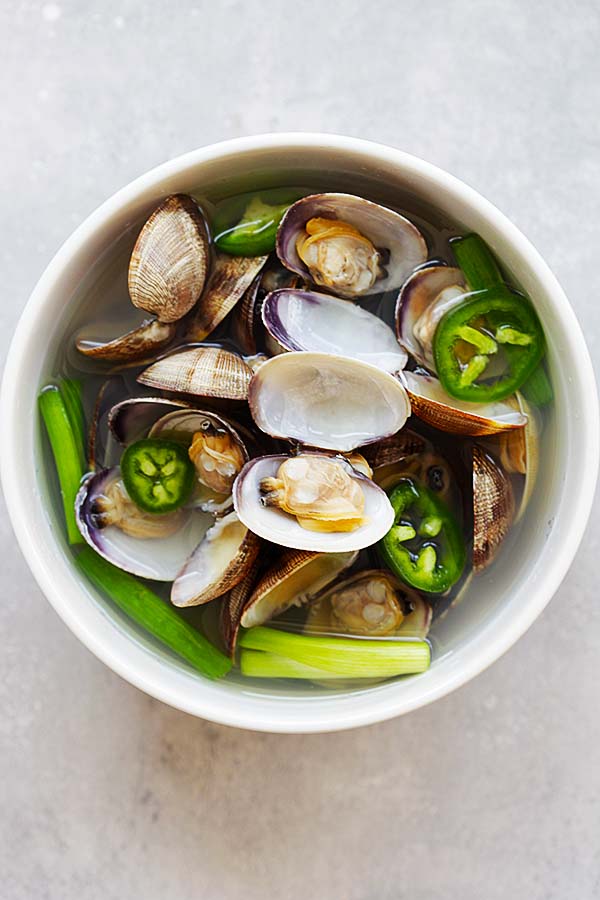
[(488, 346), (255, 232), (424, 547), (158, 474)]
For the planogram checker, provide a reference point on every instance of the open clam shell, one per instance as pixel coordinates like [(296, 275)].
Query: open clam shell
[(519, 452), (170, 260), (493, 508), (425, 297), (130, 420), (201, 372), (294, 580), (326, 401), (160, 557), (213, 489), (230, 277), (274, 525), (429, 401), (232, 607), (400, 243), (145, 341), (220, 561), (370, 603), (307, 320)]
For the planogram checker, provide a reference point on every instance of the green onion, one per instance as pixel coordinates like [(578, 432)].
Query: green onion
[(475, 259), (71, 392), (154, 614), (67, 454), (255, 664), (537, 389), (356, 657)]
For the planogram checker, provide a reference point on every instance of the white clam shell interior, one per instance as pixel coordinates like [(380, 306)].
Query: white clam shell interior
[(159, 559), (326, 401), (308, 320), (281, 528), (210, 562)]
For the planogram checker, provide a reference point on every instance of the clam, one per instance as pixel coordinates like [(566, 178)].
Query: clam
[(170, 260), (428, 294), (220, 561), (430, 402), (149, 546), (130, 420), (349, 245), (409, 454), (368, 516), (326, 401), (307, 320), (493, 508), (99, 439), (201, 371), (244, 318), (294, 580), (215, 448), (395, 448), (145, 341), (232, 606), (230, 277), (519, 452), (371, 603)]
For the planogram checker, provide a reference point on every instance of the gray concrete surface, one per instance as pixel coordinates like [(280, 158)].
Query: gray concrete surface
[(490, 793)]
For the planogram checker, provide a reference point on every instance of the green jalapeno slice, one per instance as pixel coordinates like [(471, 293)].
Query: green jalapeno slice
[(490, 344), (158, 475), (424, 547)]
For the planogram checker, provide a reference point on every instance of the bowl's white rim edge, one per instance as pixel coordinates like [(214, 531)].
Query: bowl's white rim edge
[(239, 714)]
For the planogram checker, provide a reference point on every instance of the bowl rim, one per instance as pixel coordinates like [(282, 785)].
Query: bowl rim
[(62, 585)]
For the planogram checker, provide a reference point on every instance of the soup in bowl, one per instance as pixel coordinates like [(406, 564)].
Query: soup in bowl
[(314, 419)]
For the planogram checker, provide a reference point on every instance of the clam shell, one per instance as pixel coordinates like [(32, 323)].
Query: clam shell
[(415, 623), (140, 343), (307, 320), (201, 372), (420, 291), (130, 420), (295, 579), (230, 277), (493, 508), (520, 452), (99, 434), (274, 525), (219, 562), (159, 559), (386, 229), (395, 448), (170, 260), (232, 606), (244, 317), (326, 401), (184, 423), (429, 402)]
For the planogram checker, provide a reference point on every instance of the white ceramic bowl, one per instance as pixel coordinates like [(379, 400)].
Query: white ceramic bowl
[(506, 599)]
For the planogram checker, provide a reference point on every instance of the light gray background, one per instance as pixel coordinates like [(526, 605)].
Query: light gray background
[(490, 793)]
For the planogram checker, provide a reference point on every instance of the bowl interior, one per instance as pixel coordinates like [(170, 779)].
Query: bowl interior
[(496, 607)]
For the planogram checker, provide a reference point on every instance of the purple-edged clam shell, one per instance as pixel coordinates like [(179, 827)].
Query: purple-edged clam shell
[(402, 245), (130, 420), (157, 558), (308, 320), (424, 288), (274, 525), (326, 401)]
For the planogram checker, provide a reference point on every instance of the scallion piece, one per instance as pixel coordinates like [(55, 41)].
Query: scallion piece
[(354, 657), (475, 259), (71, 392), (537, 389), (256, 664), (154, 614), (67, 454)]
